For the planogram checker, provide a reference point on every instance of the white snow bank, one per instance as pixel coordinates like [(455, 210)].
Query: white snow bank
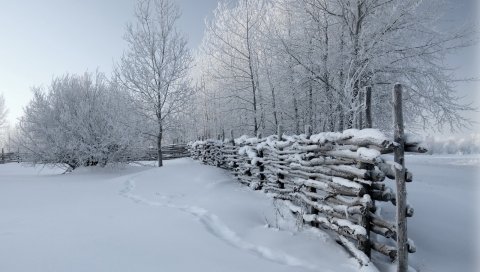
[(183, 217)]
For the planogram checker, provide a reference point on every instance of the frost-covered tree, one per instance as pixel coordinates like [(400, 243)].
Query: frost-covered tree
[(3, 112), (232, 43), (78, 120), (309, 62), (155, 66), (349, 44), (3, 120)]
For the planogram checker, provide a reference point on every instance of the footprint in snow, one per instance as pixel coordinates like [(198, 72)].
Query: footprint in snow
[(218, 228)]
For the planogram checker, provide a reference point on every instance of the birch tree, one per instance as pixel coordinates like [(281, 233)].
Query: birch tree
[(155, 66)]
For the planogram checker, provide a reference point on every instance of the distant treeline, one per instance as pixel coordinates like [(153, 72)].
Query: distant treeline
[(469, 144)]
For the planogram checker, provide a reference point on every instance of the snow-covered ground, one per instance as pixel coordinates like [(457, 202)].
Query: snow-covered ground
[(445, 194), (190, 217), (182, 217)]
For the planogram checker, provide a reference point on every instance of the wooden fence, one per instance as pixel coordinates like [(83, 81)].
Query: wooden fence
[(332, 180), (9, 157), (172, 151)]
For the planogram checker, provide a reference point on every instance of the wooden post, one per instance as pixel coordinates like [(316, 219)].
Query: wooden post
[(399, 157), (280, 132), (280, 176), (3, 156), (261, 169), (368, 107), (308, 131), (365, 220), (360, 113), (232, 139)]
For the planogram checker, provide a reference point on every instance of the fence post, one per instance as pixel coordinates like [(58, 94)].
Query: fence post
[(232, 139), (280, 132), (308, 131), (368, 107), (280, 176), (365, 220), (360, 113), (308, 134), (399, 157)]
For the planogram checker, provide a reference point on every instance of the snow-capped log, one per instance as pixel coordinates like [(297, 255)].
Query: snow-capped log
[(389, 251), (341, 226), (362, 258), (388, 168), (335, 177)]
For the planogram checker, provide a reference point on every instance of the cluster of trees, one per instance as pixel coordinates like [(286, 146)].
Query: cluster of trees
[(79, 120), (83, 120), (308, 62), (469, 144), (262, 63)]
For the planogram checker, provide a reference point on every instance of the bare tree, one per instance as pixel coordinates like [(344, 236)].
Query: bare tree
[(231, 40), (156, 64), (3, 120), (3, 112)]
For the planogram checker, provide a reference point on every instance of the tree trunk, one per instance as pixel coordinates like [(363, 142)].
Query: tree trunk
[(310, 104), (159, 144), (274, 105), (297, 121), (368, 107)]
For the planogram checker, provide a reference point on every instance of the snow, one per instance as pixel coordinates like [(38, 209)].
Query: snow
[(183, 217), (322, 138), (444, 228), (368, 133), (346, 183), (367, 153), (190, 217)]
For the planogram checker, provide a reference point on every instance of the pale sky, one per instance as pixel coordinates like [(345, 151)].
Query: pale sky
[(42, 39), (46, 38)]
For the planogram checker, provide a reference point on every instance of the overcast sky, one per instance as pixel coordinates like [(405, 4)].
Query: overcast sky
[(40, 39)]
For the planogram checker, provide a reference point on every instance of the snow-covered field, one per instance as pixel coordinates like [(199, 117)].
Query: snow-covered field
[(445, 193), (190, 217)]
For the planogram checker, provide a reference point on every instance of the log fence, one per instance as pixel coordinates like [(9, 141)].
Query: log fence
[(331, 180), (172, 151)]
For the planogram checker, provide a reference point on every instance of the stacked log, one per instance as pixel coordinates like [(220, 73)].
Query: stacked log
[(331, 180)]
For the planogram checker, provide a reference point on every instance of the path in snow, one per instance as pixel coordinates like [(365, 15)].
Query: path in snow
[(191, 218), (217, 228)]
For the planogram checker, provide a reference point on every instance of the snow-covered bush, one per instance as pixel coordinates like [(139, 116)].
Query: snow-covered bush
[(79, 120)]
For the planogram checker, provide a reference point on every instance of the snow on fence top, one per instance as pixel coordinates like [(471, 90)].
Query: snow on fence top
[(331, 180)]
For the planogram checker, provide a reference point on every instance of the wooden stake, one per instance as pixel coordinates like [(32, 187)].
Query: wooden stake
[(399, 157), (368, 107), (308, 131), (231, 137)]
